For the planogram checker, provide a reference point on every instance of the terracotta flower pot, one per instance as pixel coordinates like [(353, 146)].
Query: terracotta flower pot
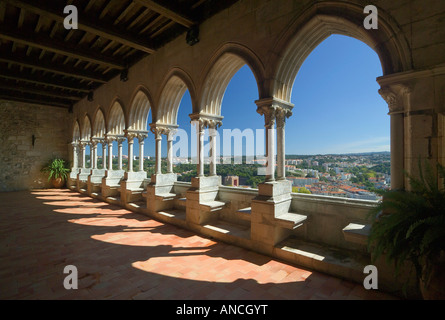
[(58, 183)]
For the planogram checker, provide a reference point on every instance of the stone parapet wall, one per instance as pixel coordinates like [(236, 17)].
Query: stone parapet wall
[(21, 157)]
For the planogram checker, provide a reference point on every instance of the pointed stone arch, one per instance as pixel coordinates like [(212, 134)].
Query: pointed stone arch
[(324, 19), (99, 125), (221, 69), (176, 84), (140, 107), (116, 119), (76, 132), (86, 129)]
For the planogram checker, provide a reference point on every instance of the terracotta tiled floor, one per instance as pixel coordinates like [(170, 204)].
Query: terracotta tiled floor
[(124, 255)]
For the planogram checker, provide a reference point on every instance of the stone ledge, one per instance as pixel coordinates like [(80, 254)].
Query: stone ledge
[(357, 233)]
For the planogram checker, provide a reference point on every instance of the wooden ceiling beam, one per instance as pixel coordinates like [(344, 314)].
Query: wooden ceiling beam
[(43, 92), (166, 12), (60, 47), (51, 67), (35, 79), (38, 100), (103, 30)]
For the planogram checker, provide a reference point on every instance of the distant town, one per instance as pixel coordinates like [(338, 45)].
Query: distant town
[(358, 176)]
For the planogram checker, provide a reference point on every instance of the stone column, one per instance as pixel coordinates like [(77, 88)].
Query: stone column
[(212, 135), (200, 135), (170, 134), (274, 110), (158, 138), (83, 146), (93, 157), (104, 154), (75, 155), (130, 137), (120, 140), (281, 153), (206, 121), (396, 113), (141, 139), (109, 140)]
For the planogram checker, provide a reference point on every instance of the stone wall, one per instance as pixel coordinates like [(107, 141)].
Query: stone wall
[(20, 160)]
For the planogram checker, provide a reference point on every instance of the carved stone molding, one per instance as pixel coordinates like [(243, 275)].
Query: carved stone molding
[(390, 97), (110, 138), (159, 129), (396, 96), (95, 141), (274, 111), (206, 120), (84, 143), (133, 134), (120, 139)]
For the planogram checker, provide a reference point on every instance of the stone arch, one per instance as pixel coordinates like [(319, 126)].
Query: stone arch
[(76, 131), (324, 19), (139, 110), (86, 129), (116, 119), (221, 69), (99, 125), (175, 85)]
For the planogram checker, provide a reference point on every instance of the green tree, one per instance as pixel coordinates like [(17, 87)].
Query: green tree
[(304, 190)]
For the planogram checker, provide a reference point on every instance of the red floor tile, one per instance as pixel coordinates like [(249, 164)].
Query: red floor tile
[(123, 255)]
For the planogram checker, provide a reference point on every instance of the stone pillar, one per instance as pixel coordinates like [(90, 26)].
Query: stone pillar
[(200, 135), (130, 137), (270, 150), (104, 154), (120, 140), (170, 135), (75, 155), (83, 146), (396, 112), (281, 153), (212, 135), (158, 138), (141, 139), (169, 131), (206, 121), (109, 140), (93, 157), (274, 110)]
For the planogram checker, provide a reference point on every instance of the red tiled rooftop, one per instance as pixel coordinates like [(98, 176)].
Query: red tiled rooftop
[(124, 255)]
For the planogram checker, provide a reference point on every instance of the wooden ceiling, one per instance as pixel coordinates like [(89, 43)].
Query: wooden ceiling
[(42, 62)]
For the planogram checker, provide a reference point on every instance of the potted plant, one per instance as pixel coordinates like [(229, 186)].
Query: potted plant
[(410, 226), (58, 172)]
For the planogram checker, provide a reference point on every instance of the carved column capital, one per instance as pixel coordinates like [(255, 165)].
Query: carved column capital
[(397, 96), (142, 136), (120, 139), (109, 139), (131, 135), (206, 120), (274, 111), (84, 143), (391, 99)]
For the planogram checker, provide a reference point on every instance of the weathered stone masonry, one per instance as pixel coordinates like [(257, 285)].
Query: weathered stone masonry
[(20, 160)]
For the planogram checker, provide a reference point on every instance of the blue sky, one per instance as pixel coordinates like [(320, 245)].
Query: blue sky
[(337, 106)]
